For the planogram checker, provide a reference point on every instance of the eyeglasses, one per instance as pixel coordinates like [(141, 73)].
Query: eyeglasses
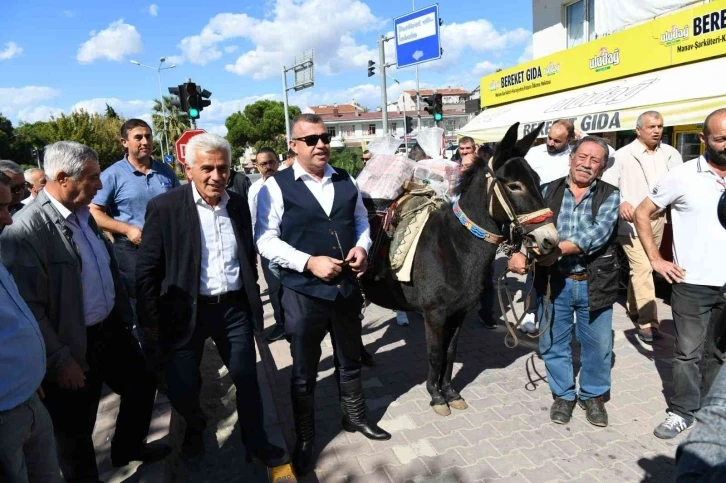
[(313, 139), (266, 164), (365, 159)]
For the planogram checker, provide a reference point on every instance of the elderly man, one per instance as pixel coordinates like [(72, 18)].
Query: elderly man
[(311, 222), (582, 276), (27, 447), (638, 168), (692, 190), (66, 272), (12, 170), (197, 278), (35, 181)]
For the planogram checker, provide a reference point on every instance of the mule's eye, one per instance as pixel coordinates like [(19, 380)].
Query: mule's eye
[(514, 186)]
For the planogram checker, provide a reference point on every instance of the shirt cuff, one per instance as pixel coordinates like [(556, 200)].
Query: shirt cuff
[(298, 260)]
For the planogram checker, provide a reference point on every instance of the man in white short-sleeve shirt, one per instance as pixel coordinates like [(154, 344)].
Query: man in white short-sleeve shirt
[(692, 190)]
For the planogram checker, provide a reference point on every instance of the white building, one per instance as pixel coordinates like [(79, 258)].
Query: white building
[(453, 99)]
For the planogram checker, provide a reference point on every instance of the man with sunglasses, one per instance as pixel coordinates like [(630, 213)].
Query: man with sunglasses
[(17, 188), (311, 222)]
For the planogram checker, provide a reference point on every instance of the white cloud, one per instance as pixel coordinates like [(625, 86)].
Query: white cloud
[(69, 13), (221, 110), (526, 55), (153, 10), (335, 45), (114, 43), (15, 98), (133, 108), (38, 113), (231, 48), (219, 129), (485, 67), (10, 50), (366, 95), (175, 59)]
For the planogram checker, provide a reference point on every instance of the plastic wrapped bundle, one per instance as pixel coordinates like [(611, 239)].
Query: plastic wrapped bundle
[(442, 175), (385, 174)]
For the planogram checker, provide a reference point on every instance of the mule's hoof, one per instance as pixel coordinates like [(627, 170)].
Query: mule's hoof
[(441, 409), (458, 404)]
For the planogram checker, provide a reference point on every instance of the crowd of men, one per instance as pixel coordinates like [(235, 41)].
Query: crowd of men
[(119, 277)]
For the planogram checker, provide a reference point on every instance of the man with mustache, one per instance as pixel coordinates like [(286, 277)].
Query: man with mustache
[(638, 168), (581, 276), (196, 278), (698, 271), (311, 221)]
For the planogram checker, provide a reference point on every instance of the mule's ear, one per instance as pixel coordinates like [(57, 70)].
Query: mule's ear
[(522, 146), (505, 147)]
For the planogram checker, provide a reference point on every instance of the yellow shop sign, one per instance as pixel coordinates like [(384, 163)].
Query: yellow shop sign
[(691, 35)]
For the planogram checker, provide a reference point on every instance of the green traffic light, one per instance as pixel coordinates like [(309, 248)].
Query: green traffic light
[(438, 116), (193, 113)]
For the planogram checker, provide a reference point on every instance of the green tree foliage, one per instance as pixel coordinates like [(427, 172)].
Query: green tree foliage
[(348, 159), (6, 137), (99, 132), (260, 124), (176, 123), (111, 112)]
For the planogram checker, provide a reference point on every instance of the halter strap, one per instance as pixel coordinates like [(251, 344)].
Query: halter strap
[(475, 229)]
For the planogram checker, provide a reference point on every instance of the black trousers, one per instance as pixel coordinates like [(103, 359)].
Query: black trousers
[(114, 358), (307, 320), (274, 289), (230, 326)]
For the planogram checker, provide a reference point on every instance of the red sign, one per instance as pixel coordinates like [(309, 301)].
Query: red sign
[(181, 144)]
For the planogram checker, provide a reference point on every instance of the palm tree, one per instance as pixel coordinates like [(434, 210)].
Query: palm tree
[(176, 121)]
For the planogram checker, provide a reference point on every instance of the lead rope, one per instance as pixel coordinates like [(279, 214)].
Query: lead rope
[(357, 278)]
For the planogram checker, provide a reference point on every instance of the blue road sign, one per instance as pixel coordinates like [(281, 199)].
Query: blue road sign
[(168, 159), (418, 38)]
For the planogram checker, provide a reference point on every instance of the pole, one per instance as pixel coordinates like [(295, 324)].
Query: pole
[(418, 94), (382, 73), (163, 113), (284, 96)]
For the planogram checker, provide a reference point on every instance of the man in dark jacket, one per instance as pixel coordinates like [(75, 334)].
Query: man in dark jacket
[(581, 277), (196, 277)]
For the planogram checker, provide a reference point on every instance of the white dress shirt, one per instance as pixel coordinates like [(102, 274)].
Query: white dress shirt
[(252, 199), (548, 166), (99, 294), (28, 199), (220, 271), (270, 208)]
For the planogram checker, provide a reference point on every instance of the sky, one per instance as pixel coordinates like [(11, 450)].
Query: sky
[(57, 56)]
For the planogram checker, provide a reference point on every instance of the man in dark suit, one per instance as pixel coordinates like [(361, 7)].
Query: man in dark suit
[(312, 223), (196, 277)]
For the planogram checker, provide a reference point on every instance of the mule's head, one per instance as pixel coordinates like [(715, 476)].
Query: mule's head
[(519, 188)]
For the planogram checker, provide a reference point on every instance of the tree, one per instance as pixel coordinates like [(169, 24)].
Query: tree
[(111, 112), (260, 124), (6, 137), (348, 159), (176, 122), (99, 132)]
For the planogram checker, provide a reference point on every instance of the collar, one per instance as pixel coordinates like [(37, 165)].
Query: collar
[(81, 213), (299, 171), (475, 229), (642, 148), (134, 170), (702, 165), (198, 200), (589, 188)]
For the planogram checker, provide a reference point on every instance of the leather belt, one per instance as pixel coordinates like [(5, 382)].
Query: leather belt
[(578, 277), (124, 240), (224, 298)]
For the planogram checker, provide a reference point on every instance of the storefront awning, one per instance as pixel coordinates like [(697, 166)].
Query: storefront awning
[(683, 95)]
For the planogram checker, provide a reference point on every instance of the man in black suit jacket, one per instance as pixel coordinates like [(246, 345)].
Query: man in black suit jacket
[(196, 277)]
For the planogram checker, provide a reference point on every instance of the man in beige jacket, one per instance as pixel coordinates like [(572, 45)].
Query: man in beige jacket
[(637, 169)]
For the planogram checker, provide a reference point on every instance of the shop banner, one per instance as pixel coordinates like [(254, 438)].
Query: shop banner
[(690, 35)]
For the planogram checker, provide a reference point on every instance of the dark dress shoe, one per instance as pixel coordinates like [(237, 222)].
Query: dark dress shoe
[(646, 335), (146, 453), (269, 455), (303, 459), (366, 359), (277, 333), (353, 407), (561, 411), (595, 411)]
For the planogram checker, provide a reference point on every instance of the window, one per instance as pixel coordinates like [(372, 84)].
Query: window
[(350, 130), (371, 129), (331, 131), (580, 22)]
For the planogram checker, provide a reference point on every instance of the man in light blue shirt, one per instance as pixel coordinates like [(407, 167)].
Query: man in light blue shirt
[(119, 206), (27, 447)]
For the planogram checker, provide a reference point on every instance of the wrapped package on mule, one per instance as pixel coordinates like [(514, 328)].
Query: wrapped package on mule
[(384, 176), (441, 174)]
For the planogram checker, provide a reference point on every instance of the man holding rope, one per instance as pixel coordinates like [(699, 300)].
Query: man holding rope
[(578, 277)]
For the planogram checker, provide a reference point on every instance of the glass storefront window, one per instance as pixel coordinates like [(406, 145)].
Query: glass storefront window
[(689, 145)]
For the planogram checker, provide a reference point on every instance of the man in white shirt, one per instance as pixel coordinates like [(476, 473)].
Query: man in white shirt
[(267, 164), (311, 222), (637, 169), (35, 181), (692, 190), (196, 277), (551, 160)]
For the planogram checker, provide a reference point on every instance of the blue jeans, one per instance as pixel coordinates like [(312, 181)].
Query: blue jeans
[(594, 332)]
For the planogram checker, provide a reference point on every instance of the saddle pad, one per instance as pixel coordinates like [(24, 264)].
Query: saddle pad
[(412, 211), (403, 273)]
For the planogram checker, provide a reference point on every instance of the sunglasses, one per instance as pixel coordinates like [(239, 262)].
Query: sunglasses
[(313, 139), (18, 188)]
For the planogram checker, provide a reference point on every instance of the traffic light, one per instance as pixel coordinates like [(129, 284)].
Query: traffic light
[(191, 99), (180, 101), (438, 107), (429, 100), (371, 68), (408, 124)]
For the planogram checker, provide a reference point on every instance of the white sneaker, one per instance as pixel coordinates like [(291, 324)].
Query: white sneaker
[(672, 426), (528, 325), (401, 319)]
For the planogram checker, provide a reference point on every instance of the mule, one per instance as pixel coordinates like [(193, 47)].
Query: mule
[(497, 201)]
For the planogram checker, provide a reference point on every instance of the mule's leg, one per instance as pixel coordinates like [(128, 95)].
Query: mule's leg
[(435, 326), (452, 330)]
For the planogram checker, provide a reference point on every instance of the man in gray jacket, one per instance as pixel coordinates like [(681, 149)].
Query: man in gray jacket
[(66, 273)]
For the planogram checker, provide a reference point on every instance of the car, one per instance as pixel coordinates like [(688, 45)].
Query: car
[(402, 148)]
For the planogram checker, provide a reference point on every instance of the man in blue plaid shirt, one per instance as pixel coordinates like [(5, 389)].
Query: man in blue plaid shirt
[(581, 275)]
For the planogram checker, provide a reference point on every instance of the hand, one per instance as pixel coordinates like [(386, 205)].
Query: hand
[(670, 271), (325, 268), (134, 235), (357, 260), (627, 211), (518, 263), (551, 258), (72, 377)]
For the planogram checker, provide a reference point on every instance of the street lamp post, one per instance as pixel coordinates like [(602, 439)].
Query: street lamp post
[(161, 97)]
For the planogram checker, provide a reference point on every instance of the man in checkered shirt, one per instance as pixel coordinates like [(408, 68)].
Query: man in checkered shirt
[(581, 277)]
